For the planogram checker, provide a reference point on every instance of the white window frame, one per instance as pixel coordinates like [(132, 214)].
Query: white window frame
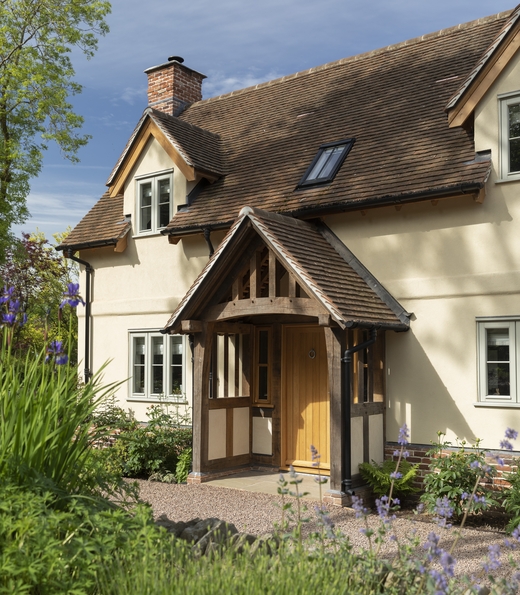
[(170, 394), (154, 181), (505, 101), (513, 326)]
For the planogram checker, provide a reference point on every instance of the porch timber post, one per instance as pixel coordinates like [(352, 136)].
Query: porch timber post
[(201, 363), (336, 343)]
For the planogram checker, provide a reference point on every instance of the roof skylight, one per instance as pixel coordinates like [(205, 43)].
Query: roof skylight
[(327, 162)]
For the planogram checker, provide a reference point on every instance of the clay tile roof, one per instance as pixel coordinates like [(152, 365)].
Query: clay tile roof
[(511, 21), (348, 291), (392, 101), (103, 225), (200, 148)]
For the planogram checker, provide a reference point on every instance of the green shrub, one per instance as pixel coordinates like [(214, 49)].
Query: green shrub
[(511, 497), (378, 477), (50, 551), (152, 449), (455, 473), (183, 467), (46, 435)]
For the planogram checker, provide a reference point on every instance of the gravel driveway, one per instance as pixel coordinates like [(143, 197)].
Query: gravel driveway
[(257, 512)]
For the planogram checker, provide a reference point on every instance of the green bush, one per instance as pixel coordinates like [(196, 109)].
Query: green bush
[(45, 435), (150, 450), (50, 551), (454, 474), (183, 467), (378, 477), (511, 497)]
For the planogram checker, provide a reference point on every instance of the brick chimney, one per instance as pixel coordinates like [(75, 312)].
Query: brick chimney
[(172, 86)]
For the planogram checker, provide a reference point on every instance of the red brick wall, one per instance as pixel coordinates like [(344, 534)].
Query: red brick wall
[(418, 456), (172, 85)]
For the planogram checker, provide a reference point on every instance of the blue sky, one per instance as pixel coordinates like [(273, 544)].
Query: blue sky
[(236, 43)]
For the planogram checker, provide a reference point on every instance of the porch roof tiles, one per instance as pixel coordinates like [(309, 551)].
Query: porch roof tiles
[(336, 279)]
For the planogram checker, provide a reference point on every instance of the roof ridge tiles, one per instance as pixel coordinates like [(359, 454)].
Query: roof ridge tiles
[(363, 56)]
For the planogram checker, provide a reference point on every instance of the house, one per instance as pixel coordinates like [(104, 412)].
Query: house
[(321, 258)]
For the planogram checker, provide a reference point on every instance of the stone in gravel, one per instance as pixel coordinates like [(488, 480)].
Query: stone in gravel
[(239, 541), (218, 534), (196, 531), (175, 528)]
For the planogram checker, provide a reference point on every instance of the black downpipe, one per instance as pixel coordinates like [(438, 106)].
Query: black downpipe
[(207, 237), (89, 270), (347, 400)]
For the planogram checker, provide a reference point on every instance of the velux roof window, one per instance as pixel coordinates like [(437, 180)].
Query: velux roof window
[(327, 162)]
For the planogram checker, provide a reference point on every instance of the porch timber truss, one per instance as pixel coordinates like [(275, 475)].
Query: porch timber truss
[(271, 276)]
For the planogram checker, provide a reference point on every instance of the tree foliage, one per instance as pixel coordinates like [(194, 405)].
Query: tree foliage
[(40, 276), (36, 81)]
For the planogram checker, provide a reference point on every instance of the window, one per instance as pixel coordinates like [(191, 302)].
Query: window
[(327, 162), (154, 203), (262, 393), (498, 365), (510, 137), (157, 367)]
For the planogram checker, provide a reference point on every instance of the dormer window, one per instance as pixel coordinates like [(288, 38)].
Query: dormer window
[(327, 162), (154, 203)]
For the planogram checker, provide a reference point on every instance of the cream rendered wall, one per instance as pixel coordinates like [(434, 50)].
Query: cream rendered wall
[(448, 264), (139, 288)]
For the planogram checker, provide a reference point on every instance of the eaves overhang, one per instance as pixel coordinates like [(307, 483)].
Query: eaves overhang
[(474, 189)]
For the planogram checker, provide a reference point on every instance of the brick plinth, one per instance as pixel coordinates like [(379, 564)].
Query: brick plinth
[(418, 456)]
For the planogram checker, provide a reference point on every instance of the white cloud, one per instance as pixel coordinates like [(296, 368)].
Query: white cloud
[(219, 84)]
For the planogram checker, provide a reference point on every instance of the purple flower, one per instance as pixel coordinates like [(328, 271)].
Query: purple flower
[(397, 453), (357, 505), (396, 475), (71, 296), (55, 352), (444, 511), (493, 559), (6, 295), (506, 445), (9, 319), (447, 562), (511, 434), (14, 306), (403, 435), (320, 479)]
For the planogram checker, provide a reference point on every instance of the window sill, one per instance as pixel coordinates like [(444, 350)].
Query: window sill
[(515, 178), (148, 234), (501, 404), (168, 400)]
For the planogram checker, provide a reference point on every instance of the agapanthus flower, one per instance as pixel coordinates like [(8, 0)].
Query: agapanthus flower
[(71, 296)]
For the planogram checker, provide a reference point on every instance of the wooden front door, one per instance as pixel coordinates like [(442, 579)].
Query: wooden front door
[(305, 397)]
